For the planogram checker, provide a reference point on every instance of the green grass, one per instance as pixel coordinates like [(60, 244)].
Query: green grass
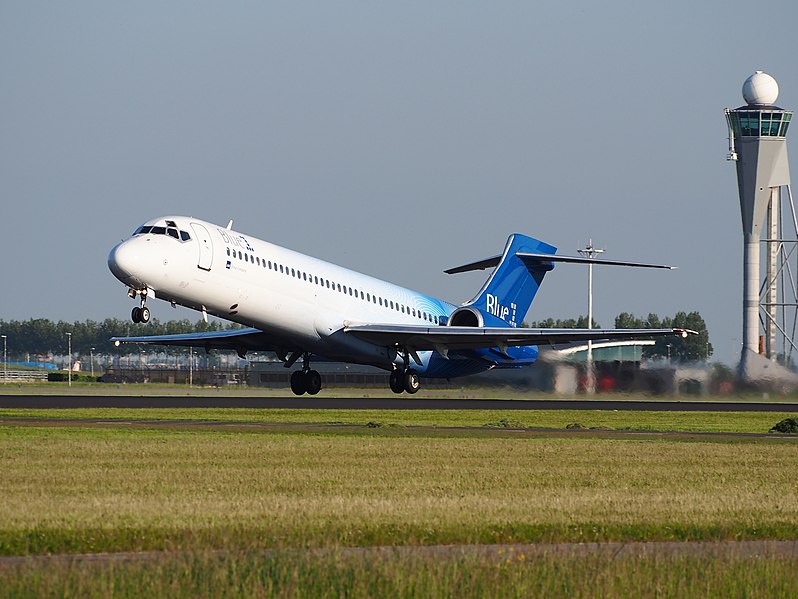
[(115, 489), (407, 574), (731, 422)]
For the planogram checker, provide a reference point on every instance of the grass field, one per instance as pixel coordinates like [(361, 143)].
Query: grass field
[(304, 495), (460, 573)]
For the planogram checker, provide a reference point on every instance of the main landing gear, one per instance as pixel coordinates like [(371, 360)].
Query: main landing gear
[(140, 313), (305, 380), (405, 379)]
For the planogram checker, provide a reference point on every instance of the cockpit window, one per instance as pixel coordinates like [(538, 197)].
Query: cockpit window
[(172, 231), (171, 223)]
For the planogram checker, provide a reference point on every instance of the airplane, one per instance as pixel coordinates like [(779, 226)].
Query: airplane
[(304, 308)]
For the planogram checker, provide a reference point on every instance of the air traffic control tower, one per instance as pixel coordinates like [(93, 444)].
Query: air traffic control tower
[(758, 146)]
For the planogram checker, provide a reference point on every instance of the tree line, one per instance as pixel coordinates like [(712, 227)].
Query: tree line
[(39, 336)]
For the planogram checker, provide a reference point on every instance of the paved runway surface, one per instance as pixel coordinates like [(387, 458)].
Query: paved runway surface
[(379, 403)]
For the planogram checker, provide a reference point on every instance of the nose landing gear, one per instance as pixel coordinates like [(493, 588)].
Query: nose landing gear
[(140, 313)]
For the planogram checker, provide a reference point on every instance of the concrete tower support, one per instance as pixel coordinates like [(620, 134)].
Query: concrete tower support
[(758, 144), (774, 243)]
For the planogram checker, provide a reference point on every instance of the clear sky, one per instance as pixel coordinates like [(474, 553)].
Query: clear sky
[(396, 138)]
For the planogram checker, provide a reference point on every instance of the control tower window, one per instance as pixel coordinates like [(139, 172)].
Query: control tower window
[(785, 122), (770, 124), (759, 123), (749, 124)]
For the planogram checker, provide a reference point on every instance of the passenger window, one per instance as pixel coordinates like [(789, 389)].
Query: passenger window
[(304, 276), (368, 297), (257, 260), (281, 268), (228, 251), (246, 257)]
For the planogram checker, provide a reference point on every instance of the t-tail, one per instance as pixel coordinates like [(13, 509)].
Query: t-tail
[(507, 294)]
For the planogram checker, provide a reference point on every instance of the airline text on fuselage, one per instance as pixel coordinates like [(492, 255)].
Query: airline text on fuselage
[(236, 240)]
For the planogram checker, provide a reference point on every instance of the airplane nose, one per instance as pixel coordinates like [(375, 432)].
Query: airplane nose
[(125, 261)]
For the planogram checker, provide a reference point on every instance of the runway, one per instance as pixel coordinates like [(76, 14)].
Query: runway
[(381, 403)]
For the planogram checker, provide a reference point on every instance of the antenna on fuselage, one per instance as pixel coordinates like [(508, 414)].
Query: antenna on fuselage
[(230, 224)]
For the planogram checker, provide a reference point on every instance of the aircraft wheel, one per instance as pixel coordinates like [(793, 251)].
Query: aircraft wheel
[(135, 315), (312, 382), (144, 314), (298, 382), (395, 381), (412, 381)]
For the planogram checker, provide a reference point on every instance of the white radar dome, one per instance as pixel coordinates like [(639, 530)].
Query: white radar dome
[(760, 88)]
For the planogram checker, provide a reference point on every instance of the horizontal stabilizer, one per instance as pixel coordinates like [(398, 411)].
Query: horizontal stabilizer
[(545, 259), (479, 265), (532, 260)]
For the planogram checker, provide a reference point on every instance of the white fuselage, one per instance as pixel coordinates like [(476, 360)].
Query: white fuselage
[(299, 300)]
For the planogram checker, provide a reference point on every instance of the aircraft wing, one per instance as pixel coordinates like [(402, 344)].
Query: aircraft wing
[(444, 338), (240, 340)]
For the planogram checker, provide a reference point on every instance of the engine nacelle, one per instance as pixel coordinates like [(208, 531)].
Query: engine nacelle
[(466, 317)]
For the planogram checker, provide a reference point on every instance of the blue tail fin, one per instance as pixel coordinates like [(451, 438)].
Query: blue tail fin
[(506, 296)]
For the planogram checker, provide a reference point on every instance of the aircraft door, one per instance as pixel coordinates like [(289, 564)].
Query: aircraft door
[(205, 246)]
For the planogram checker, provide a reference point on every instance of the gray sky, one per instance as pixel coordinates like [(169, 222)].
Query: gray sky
[(398, 139)]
